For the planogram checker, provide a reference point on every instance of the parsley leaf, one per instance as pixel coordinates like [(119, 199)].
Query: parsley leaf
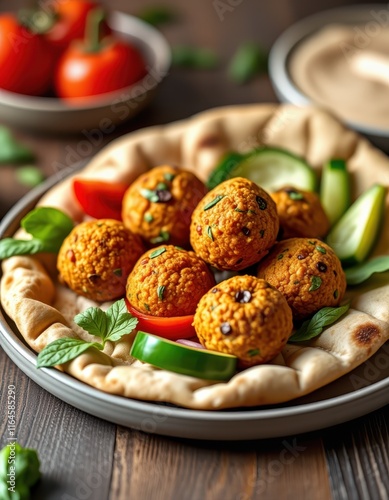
[(110, 325), (361, 272), (313, 327)]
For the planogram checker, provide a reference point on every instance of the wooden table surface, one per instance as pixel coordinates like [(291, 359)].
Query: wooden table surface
[(83, 457)]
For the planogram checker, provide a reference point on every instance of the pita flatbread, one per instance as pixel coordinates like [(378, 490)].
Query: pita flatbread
[(43, 310)]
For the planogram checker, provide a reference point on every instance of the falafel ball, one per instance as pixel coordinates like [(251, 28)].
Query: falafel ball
[(246, 317), (168, 281), (307, 272), (301, 213), (96, 258), (159, 204), (234, 225)]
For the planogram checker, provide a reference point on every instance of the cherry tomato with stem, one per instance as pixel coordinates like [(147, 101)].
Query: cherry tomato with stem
[(26, 60), (96, 66)]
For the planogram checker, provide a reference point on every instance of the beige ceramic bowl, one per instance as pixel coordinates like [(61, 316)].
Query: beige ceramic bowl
[(49, 114)]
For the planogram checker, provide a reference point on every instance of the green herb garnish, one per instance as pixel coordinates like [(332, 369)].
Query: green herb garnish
[(321, 249), (157, 15), (161, 291), (360, 273), (249, 60), (209, 232), (193, 57), (148, 217), (19, 471), (157, 252), (253, 352), (163, 236), (48, 227), (149, 194), (109, 326), (169, 176), (316, 282), (11, 150), (313, 327), (214, 201), (29, 175)]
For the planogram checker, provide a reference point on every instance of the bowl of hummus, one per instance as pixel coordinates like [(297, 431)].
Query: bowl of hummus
[(338, 59)]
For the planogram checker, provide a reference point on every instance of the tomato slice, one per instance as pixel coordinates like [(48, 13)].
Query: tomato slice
[(173, 328), (175, 357), (99, 199)]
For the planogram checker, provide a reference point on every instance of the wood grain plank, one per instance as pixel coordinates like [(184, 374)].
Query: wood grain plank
[(184, 469), (75, 448), (358, 457)]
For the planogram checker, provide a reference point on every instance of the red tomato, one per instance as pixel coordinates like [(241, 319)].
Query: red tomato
[(82, 74), (26, 61), (97, 66), (70, 21), (102, 200), (174, 328)]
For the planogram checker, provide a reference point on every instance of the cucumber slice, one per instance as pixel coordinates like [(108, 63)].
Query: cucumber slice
[(224, 170), (179, 358), (274, 168), (335, 193), (355, 234)]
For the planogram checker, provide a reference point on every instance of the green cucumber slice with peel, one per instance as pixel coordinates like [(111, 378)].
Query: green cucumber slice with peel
[(224, 169), (175, 357), (335, 192), (354, 235), (270, 167)]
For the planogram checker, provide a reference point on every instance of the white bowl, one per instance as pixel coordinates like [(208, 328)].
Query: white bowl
[(49, 114), (287, 42)]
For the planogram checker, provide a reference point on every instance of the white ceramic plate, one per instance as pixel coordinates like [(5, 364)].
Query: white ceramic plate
[(356, 394), (52, 115)]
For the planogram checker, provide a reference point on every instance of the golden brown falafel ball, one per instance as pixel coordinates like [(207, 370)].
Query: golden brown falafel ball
[(96, 258), (301, 213), (307, 272), (246, 317), (159, 204), (234, 225), (168, 281)]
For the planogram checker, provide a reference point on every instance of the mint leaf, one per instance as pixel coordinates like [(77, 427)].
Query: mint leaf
[(157, 15), (120, 321), (11, 246), (11, 150), (63, 350), (249, 60), (313, 327), (26, 463), (360, 273), (48, 223), (193, 57), (94, 320)]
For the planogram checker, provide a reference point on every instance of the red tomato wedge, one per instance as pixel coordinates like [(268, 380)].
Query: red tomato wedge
[(173, 328), (99, 199)]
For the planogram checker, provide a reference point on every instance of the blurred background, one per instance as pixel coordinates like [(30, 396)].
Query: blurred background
[(217, 26)]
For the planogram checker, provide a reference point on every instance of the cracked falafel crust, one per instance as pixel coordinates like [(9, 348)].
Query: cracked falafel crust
[(301, 213), (234, 225), (96, 258), (168, 281), (246, 317), (159, 204), (307, 272)]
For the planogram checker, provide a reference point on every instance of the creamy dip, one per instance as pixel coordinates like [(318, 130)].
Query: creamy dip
[(346, 70)]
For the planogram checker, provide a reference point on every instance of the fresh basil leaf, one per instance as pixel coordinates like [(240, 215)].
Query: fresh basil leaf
[(63, 350), (249, 60), (26, 463), (10, 247), (94, 320), (157, 15), (360, 273), (48, 223), (11, 150), (29, 175), (120, 321), (193, 57), (313, 327)]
